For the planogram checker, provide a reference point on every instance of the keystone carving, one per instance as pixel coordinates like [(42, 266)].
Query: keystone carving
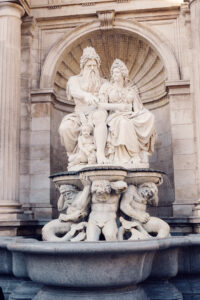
[(106, 19)]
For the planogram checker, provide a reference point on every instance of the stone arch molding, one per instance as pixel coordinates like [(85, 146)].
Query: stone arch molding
[(157, 45)]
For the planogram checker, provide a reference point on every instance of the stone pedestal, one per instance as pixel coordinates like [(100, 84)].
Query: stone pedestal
[(10, 66)]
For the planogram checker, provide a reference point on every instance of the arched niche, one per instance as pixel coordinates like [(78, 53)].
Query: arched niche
[(150, 62), (146, 68), (133, 29)]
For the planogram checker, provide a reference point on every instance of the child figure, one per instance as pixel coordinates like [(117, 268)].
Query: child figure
[(86, 147)]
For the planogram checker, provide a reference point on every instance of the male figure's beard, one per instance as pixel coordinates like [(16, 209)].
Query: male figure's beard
[(91, 81)]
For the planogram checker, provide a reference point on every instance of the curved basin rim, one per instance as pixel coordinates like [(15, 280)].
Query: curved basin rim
[(136, 170), (89, 248)]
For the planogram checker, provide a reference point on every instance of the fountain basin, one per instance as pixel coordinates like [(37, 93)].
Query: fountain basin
[(5, 256), (89, 264), (106, 270), (111, 173), (102, 264)]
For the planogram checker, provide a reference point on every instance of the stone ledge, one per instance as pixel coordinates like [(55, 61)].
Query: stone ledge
[(183, 225), (21, 228), (50, 96), (179, 87)]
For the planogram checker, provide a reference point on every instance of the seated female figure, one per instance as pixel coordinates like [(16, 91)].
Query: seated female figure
[(131, 127)]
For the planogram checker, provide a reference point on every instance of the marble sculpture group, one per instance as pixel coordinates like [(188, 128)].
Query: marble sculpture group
[(110, 128)]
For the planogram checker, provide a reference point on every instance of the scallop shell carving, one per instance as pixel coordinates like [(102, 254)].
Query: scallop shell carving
[(146, 69)]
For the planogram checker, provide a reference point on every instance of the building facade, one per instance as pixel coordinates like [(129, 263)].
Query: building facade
[(41, 42)]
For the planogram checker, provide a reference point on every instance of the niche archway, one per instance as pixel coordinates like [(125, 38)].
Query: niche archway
[(133, 28), (150, 62), (146, 68)]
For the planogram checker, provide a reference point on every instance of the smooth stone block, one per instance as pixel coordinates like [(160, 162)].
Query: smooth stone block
[(40, 123), (184, 146), (182, 116)]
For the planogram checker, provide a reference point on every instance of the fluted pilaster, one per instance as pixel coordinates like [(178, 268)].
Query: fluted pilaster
[(10, 64)]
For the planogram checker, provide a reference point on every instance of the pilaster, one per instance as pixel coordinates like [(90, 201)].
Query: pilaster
[(183, 143), (40, 154), (10, 66)]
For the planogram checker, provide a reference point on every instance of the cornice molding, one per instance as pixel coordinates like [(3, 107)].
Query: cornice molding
[(178, 87), (50, 96), (67, 106), (61, 3)]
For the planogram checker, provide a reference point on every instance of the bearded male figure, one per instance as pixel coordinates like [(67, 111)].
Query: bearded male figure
[(73, 203), (83, 90)]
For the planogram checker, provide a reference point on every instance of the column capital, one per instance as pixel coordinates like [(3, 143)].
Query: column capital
[(11, 8)]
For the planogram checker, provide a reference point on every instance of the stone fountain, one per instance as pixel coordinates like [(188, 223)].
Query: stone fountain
[(104, 241), (108, 140)]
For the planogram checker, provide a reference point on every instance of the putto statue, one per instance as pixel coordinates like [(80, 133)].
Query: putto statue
[(108, 135), (123, 130)]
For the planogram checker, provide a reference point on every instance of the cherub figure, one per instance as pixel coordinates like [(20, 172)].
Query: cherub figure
[(70, 225), (86, 147), (104, 205), (133, 204)]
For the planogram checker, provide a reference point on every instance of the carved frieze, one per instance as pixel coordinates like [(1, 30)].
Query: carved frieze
[(58, 3), (54, 3)]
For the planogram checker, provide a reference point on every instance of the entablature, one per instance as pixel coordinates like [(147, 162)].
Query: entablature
[(57, 8)]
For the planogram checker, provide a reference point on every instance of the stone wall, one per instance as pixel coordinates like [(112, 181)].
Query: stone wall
[(162, 159), (47, 36), (175, 150), (58, 156), (184, 151)]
